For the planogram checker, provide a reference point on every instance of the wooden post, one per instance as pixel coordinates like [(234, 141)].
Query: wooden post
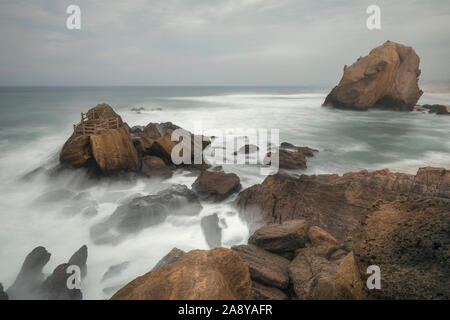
[(74, 130), (82, 126)]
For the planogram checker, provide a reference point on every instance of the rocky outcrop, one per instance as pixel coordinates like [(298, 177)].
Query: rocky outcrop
[(263, 292), (437, 109), (409, 241), (265, 267), (291, 156), (143, 212), (386, 78), (106, 146), (217, 274), (169, 258), (31, 284), (247, 149), (211, 230), (319, 237), (216, 186), (332, 202)]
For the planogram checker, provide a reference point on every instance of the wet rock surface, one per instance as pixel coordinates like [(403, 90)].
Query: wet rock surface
[(216, 185), (169, 258), (211, 230)]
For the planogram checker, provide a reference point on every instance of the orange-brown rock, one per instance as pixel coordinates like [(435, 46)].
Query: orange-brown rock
[(316, 276), (217, 274), (113, 151), (319, 237), (335, 203), (76, 152), (386, 78), (216, 186), (155, 167)]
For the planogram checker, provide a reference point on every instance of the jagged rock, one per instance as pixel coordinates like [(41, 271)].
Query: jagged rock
[(216, 185), (217, 274), (279, 238), (319, 237), (265, 267), (315, 277), (211, 230), (55, 286), (77, 152), (144, 137), (155, 167), (386, 78), (79, 258), (28, 283), (113, 151), (144, 212), (169, 258), (115, 270), (335, 203), (409, 241), (263, 292), (3, 295)]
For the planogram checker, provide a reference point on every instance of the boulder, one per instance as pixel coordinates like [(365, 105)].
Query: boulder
[(306, 151), (217, 274), (288, 159), (143, 212), (386, 78), (28, 283), (211, 230), (155, 167), (169, 258), (263, 292), (216, 185), (144, 137), (281, 238), (113, 151), (265, 267), (319, 237), (315, 277)]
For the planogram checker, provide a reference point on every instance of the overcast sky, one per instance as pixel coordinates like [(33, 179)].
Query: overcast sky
[(211, 42)]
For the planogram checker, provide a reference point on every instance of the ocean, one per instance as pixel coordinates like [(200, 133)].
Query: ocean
[(35, 123)]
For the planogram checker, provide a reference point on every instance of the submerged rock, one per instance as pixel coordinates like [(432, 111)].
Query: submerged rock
[(247, 149), (216, 185), (211, 230), (115, 270), (437, 109), (217, 274), (169, 258), (386, 78), (143, 212)]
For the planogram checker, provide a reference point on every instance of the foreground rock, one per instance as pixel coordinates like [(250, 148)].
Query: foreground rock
[(317, 277), (143, 212), (386, 78), (291, 156), (332, 202), (218, 274), (399, 222), (31, 284), (216, 186), (3, 295), (409, 241), (265, 267)]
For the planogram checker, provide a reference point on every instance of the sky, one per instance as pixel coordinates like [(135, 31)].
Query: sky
[(211, 42)]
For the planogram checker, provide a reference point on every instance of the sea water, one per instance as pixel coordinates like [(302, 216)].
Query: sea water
[(35, 122)]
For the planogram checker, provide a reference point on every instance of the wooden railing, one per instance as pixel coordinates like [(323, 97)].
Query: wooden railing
[(90, 124)]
